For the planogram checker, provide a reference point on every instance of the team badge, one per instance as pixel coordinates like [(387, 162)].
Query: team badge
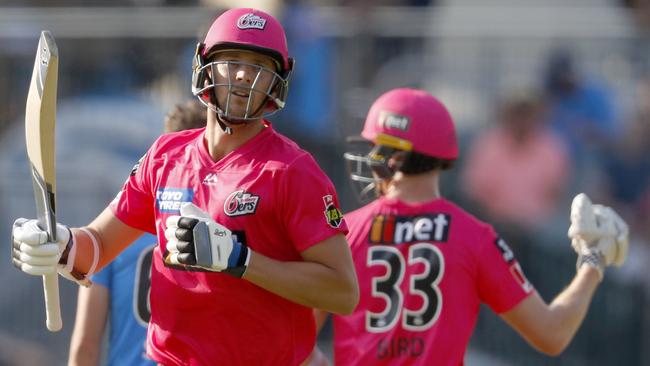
[(332, 213), (250, 20), (240, 203)]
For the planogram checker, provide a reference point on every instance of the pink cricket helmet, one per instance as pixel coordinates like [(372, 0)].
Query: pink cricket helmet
[(412, 120), (252, 29), (244, 29)]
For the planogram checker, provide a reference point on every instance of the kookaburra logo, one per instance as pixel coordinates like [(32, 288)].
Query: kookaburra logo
[(219, 233), (251, 20)]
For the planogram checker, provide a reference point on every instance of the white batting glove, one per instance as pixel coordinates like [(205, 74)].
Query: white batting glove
[(195, 239), (32, 253), (598, 234)]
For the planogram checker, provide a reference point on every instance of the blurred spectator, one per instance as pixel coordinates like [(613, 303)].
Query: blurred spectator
[(628, 168), (517, 171), (310, 105), (19, 352), (120, 291), (185, 116), (390, 2), (580, 109), (641, 12)]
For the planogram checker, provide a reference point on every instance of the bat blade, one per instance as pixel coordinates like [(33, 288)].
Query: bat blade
[(40, 121)]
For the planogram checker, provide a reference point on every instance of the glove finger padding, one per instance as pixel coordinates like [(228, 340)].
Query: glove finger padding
[(185, 227), (614, 242), (583, 219), (195, 239), (180, 241), (598, 234), (211, 242), (192, 211), (622, 240), (31, 252), (28, 232)]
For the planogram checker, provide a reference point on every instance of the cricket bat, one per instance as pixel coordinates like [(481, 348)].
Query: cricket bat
[(40, 117)]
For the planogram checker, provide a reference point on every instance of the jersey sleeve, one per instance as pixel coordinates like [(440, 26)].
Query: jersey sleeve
[(103, 277), (134, 204), (309, 205), (501, 281)]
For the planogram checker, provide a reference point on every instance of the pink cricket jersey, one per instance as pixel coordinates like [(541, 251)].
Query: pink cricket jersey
[(423, 271), (276, 200)]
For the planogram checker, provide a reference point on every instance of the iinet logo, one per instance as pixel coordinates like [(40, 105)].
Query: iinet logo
[(211, 178)]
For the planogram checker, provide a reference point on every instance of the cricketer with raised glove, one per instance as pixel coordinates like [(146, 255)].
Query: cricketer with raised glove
[(34, 254), (598, 234), (194, 239)]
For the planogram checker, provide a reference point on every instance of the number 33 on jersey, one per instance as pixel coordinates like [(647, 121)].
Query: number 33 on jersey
[(423, 274)]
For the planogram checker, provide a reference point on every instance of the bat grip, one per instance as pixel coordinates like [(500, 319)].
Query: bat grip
[(52, 302)]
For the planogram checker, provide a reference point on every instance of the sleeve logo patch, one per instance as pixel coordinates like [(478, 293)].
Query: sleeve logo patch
[(332, 213), (518, 274), (240, 203), (169, 200), (505, 250)]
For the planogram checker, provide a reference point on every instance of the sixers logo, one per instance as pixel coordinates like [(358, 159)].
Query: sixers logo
[(251, 20), (240, 203)]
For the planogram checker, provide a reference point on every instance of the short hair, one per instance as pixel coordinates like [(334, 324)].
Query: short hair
[(416, 163), (185, 116)]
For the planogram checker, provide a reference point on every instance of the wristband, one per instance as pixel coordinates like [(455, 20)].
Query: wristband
[(593, 259)]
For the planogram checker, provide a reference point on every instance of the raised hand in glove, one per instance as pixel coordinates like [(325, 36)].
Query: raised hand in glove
[(598, 234), (32, 253), (195, 239)]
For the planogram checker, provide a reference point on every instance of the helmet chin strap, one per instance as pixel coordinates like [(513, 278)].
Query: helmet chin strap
[(224, 127), (225, 123)]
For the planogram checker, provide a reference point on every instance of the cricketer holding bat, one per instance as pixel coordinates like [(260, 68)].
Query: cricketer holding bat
[(424, 265), (250, 234)]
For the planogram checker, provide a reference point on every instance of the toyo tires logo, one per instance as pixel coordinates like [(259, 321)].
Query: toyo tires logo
[(240, 203)]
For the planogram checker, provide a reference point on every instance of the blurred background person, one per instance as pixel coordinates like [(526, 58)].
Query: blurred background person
[(627, 179), (119, 294), (583, 111), (516, 171)]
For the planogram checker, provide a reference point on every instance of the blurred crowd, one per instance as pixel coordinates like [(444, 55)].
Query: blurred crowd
[(540, 119)]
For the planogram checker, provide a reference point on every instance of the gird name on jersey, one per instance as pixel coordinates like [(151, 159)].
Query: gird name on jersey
[(390, 229)]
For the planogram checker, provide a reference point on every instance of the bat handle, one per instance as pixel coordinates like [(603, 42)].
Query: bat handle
[(52, 302)]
